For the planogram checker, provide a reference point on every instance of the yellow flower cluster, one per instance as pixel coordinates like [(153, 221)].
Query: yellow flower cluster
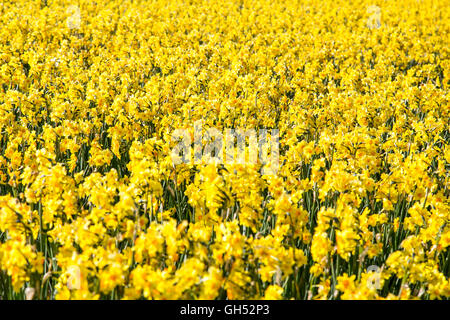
[(93, 207)]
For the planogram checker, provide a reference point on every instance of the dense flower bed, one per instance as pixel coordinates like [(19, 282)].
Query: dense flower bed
[(92, 205)]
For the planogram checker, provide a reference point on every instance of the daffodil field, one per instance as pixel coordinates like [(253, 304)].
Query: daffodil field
[(93, 206)]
